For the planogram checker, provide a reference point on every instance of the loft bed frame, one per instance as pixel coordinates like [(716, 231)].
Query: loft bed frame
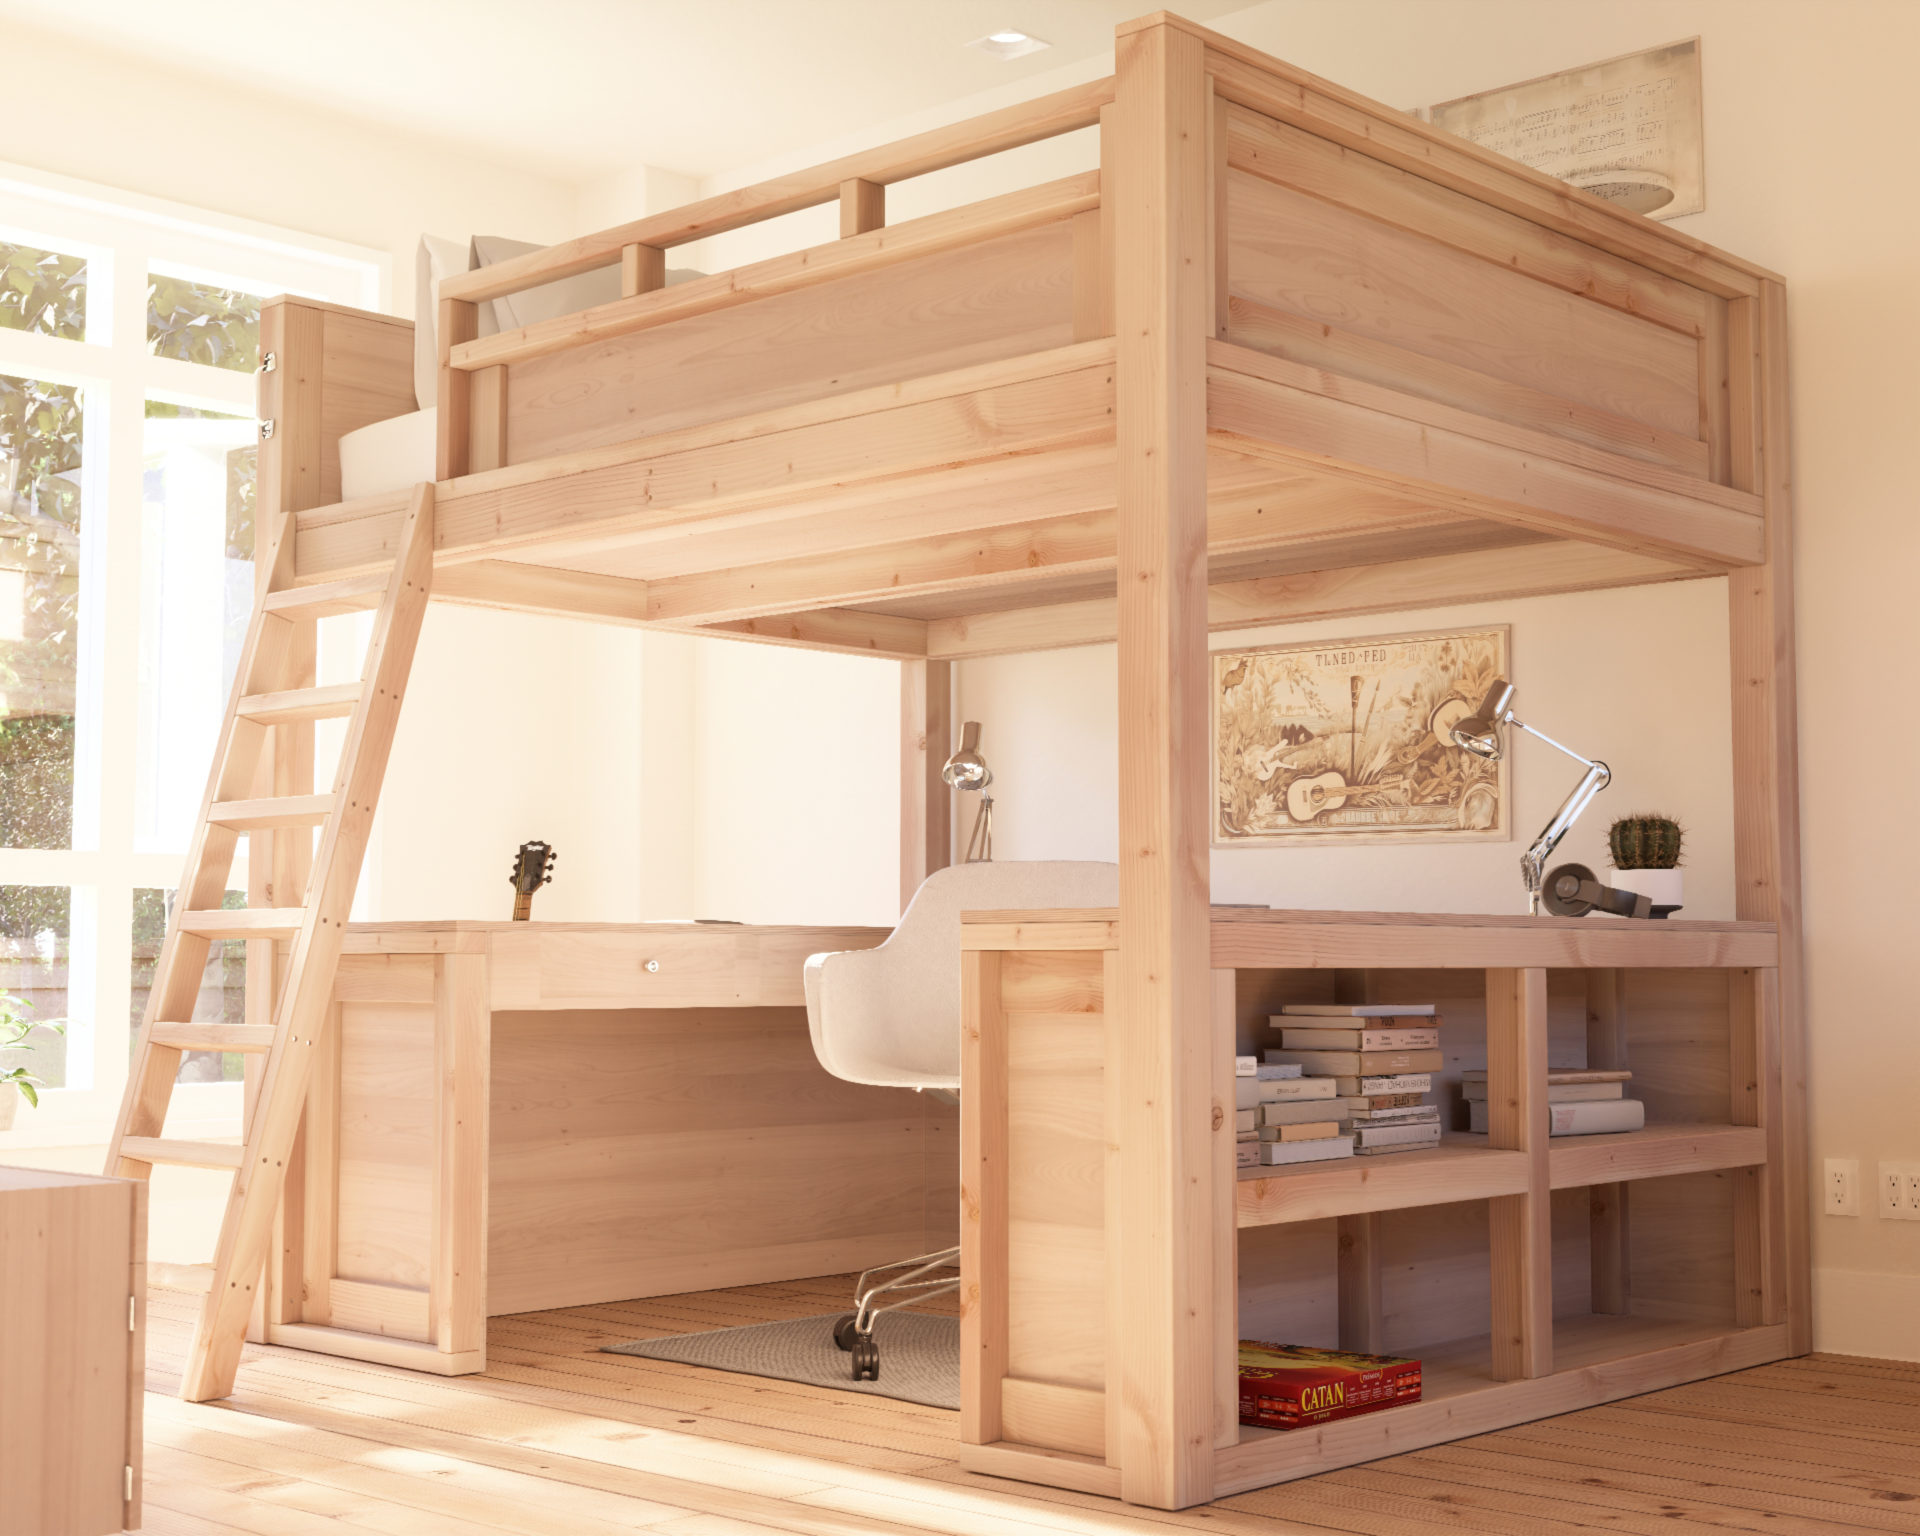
[(1286, 354)]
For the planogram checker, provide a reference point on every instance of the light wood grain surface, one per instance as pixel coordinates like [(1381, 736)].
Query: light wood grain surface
[(557, 1439)]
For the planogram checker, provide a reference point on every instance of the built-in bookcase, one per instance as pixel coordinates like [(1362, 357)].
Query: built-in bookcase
[(1397, 1254), (1530, 1274)]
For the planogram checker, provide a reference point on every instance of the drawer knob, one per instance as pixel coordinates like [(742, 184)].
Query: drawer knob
[(652, 965)]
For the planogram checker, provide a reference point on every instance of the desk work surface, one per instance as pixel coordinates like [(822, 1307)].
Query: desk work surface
[(539, 965), (1251, 937)]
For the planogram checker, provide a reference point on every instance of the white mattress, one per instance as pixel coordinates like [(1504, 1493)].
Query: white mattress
[(388, 456)]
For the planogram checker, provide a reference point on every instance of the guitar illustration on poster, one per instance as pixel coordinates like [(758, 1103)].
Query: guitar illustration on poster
[(1350, 741)]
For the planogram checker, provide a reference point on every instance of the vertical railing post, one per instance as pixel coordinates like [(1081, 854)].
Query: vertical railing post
[(1163, 1240), (1766, 771)]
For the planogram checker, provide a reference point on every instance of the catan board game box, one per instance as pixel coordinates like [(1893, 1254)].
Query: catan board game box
[(1283, 1386)]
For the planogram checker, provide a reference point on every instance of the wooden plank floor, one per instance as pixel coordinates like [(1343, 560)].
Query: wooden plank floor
[(557, 1439)]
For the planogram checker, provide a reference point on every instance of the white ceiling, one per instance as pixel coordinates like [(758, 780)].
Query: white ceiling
[(579, 88)]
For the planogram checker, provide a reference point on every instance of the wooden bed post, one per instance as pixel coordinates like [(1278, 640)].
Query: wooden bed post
[(1766, 772), (334, 370), (1160, 1359), (926, 804)]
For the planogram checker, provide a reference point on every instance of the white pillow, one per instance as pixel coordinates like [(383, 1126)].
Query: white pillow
[(567, 296), (438, 259)]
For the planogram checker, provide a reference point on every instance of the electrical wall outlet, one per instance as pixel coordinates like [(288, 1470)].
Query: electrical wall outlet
[(1840, 1186), (1899, 1191)]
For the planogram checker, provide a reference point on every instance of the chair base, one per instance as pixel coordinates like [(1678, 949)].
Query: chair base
[(910, 1281)]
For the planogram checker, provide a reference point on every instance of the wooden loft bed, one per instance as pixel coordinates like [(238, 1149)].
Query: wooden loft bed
[(1427, 374), (1285, 354)]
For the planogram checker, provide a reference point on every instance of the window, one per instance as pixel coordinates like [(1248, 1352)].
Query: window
[(129, 335), (42, 429)]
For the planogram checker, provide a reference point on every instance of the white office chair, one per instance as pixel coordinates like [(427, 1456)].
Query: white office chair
[(891, 1016)]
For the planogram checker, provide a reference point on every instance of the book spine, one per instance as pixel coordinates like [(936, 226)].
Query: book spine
[(1397, 1135), (1363, 1063), (1596, 1118), (1324, 1149), (1359, 1039), (1356, 1010)]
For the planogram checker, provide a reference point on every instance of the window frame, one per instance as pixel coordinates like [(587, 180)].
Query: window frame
[(121, 234)]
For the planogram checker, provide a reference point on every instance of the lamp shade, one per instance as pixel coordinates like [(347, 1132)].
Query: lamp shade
[(1479, 733), (967, 769)]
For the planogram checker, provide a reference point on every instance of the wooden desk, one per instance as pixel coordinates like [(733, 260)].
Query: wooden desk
[(513, 1116)]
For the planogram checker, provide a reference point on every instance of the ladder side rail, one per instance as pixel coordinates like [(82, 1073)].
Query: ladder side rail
[(203, 881), (247, 1228)]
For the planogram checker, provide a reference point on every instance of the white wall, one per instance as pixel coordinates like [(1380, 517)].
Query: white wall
[(515, 726), (1808, 133), (798, 795), (210, 141), (1808, 138), (1586, 667)]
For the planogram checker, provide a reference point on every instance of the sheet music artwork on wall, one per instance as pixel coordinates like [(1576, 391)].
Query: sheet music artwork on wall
[(1626, 129)]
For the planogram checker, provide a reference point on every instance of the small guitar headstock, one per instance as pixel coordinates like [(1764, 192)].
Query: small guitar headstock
[(532, 868)]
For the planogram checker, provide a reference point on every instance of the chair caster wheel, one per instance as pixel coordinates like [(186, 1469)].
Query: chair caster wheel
[(866, 1360), (845, 1332)]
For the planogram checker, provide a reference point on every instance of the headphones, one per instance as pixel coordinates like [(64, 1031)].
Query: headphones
[(1571, 890)]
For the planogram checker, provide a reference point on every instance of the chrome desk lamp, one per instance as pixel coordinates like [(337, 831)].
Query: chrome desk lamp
[(1479, 733), (967, 769)]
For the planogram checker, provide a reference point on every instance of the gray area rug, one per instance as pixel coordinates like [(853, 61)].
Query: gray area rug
[(919, 1355)]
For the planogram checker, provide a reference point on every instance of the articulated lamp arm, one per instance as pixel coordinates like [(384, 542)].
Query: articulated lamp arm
[(1533, 863), (1479, 734)]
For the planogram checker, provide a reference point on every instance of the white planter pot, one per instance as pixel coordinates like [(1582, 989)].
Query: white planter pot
[(1662, 887)]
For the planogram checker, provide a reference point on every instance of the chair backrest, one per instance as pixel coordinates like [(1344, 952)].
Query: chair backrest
[(892, 1015)]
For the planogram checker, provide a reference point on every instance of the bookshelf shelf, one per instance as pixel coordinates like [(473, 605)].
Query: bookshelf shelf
[(1658, 1151), (1596, 1360), (1462, 1167)]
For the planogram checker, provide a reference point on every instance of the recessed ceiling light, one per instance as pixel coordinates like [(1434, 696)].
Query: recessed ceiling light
[(1010, 44)]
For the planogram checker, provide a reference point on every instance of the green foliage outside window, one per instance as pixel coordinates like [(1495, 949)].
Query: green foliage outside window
[(41, 427), (199, 323), (223, 985), (43, 291), (242, 470), (36, 942)]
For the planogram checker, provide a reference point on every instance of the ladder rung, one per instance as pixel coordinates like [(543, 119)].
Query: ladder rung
[(213, 1037), (184, 1154), (281, 811), (353, 594), (293, 705), (244, 923), (181, 1277)]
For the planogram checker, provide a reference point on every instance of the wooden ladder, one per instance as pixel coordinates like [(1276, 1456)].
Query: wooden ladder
[(265, 698)]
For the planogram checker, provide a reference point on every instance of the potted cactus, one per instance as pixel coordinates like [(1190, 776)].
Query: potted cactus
[(1646, 859), (16, 1083)]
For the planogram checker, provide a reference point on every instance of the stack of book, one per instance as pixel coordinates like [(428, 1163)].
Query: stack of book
[(1378, 1060), (1579, 1102), (1285, 1116)]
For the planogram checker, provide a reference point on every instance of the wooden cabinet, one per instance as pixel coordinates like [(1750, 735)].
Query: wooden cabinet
[(73, 1312)]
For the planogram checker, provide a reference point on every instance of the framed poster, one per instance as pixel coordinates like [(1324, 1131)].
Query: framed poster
[(1626, 129), (1347, 741)]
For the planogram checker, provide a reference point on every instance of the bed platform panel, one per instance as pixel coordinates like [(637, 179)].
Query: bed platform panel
[(999, 298), (1345, 263)]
